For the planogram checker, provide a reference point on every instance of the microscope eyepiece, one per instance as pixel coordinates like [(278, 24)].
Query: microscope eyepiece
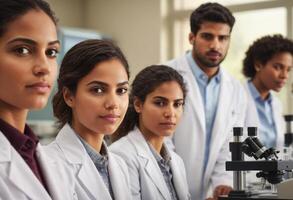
[(237, 131), (252, 131)]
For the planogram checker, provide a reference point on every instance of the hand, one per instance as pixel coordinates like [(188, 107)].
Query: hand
[(221, 190)]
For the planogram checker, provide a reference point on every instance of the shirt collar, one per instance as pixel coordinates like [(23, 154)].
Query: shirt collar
[(163, 156), (16, 138), (101, 156), (256, 95), (197, 71)]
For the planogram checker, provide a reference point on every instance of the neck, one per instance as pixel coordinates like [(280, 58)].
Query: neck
[(94, 140), (13, 116), (263, 91), (156, 142), (209, 71)]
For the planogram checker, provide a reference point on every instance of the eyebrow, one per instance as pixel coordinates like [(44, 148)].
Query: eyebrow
[(32, 42), (105, 84), (165, 99)]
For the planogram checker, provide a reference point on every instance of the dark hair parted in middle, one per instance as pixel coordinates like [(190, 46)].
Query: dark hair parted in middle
[(145, 82), (79, 61), (262, 50), (210, 12)]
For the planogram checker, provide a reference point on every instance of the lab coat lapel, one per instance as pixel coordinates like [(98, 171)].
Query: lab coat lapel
[(116, 179), (48, 167), (222, 118), (92, 182), (180, 186), (75, 154), (151, 166), (24, 179), (279, 123), (194, 95)]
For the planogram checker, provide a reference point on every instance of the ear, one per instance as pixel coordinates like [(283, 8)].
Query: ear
[(68, 97), (257, 66), (137, 105), (191, 38)]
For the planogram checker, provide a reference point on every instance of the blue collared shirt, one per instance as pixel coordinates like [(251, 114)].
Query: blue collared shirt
[(163, 161), (209, 90), (101, 162), (267, 129)]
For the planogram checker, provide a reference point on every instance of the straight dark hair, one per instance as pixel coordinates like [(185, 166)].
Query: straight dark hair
[(10, 10), (79, 61)]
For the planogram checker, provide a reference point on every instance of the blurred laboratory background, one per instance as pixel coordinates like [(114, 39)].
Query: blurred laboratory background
[(154, 31)]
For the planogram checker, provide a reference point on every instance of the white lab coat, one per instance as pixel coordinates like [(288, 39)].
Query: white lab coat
[(253, 120), (190, 136), (17, 181), (146, 179), (88, 183)]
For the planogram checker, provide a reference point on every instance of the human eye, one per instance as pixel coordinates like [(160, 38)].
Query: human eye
[(178, 104), (97, 90), (122, 90), (22, 51), (52, 53), (159, 103), (224, 38), (277, 66), (207, 36)]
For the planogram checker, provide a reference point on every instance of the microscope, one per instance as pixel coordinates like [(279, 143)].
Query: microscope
[(266, 162)]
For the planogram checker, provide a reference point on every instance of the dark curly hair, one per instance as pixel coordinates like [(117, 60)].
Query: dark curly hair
[(79, 61), (210, 12), (145, 82), (262, 50)]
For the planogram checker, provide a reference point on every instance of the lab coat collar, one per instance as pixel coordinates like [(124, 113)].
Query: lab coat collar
[(21, 175), (76, 154), (70, 145), (151, 166)]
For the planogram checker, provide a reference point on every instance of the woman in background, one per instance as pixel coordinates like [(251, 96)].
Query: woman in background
[(91, 102), (156, 105), (28, 50), (267, 65)]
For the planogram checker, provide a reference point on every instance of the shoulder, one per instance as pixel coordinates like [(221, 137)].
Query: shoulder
[(176, 63), (53, 150), (123, 148)]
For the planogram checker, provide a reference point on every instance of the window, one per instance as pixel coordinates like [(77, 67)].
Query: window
[(254, 18)]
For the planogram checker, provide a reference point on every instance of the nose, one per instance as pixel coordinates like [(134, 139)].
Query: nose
[(169, 112), (111, 101), (215, 43), (284, 74), (41, 65)]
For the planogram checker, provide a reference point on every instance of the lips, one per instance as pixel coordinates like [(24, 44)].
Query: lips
[(168, 124), (40, 87), (281, 84), (214, 55), (110, 118)]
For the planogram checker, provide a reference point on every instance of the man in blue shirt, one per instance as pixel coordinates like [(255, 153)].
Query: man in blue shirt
[(215, 103)]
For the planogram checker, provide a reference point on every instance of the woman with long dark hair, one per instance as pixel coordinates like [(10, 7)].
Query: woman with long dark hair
[(156, 105)]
